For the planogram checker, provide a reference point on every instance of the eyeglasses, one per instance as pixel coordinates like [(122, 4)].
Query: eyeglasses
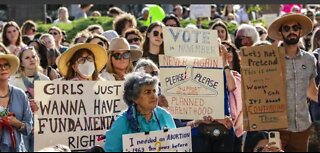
[(295, 28), (133, 40), (53, 33), (157, 33), (119, 56), (101, 44), (5, 66), (82, 60), (154, 73)]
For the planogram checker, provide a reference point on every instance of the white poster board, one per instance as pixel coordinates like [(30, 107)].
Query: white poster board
[(190, 42), (192, 92), (200, 10), (75, 113), (174, 140)]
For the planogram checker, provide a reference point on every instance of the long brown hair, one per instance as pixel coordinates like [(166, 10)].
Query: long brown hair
[(5, 40), (315, 39), (71, 73), (27, 25), (146, 43)]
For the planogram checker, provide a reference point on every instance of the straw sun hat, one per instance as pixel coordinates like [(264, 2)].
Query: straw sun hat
[(122, 44), (100, 55), (13, 61), (304, 21)]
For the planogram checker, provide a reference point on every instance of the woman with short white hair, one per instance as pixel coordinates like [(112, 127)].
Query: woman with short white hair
[(247, 35), (63, 16)]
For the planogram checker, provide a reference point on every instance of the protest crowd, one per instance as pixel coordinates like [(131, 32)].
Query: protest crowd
[(138, 58)]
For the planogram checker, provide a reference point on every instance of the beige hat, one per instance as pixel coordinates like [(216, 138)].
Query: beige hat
[(100, 55), (13, 61), (122, 44), (304, 21)]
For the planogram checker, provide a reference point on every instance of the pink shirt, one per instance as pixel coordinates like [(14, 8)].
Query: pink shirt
[(236, 106)]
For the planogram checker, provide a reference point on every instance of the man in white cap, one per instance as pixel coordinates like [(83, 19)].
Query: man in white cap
[(300, 74)]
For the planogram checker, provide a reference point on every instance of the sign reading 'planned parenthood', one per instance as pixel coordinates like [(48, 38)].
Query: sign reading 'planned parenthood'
[(194, 89), (174, 140), (75, 113), (190, 42), (264, 88)]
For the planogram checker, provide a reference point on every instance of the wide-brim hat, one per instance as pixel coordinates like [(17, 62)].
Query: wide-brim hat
[(122, 44), (100, 55), (305, 22), (13, 61)]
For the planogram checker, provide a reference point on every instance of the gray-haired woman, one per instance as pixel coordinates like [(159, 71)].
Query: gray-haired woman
[(143, 114)]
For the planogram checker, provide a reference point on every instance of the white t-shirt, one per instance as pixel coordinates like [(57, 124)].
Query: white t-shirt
[(107, 76)]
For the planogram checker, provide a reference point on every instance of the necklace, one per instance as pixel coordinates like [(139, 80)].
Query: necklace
[(5, 96)]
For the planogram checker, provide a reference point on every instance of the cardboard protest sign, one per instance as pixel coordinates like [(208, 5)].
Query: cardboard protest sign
[(190, 42), (264, 88), (75, 113), (193, 91), (174, 140), (200, 10)]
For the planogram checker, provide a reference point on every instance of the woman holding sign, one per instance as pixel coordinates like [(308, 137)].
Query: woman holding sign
[(82, 62), (143, 114), (15, 112)]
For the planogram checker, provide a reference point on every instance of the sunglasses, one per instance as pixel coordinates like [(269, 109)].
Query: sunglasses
[(157, 33), (83, 60), (295, 28), (5, 66), (53, 33), (136, 39), (171, 25), (261, 32), (119, 56), (154, 73), (101, 44), (34, 30)]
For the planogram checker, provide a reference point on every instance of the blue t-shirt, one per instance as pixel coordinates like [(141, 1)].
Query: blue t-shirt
[(160, 120)]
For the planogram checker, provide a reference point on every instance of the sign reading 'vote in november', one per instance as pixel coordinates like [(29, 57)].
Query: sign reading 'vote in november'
[(75, 113), (190, 42), (264, 89), (175, 140)]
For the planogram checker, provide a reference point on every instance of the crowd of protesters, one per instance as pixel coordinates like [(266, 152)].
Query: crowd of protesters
[(128, 53)]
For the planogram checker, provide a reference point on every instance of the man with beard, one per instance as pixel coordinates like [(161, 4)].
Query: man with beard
[(300, 74)]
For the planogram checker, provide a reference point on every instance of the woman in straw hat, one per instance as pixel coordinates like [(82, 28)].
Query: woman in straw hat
[(16, 115), (120, 60), (82, 62)]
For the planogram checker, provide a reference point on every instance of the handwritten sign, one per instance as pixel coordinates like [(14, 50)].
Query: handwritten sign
[(200, 10), (75, 113), (190, 42), (264, 88), (193, 91), (175, 140)]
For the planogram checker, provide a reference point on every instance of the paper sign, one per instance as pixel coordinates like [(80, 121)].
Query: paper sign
[(190, 42), (264, 88), (175, 140), (200, 10), (193, 91), (75, 113)]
